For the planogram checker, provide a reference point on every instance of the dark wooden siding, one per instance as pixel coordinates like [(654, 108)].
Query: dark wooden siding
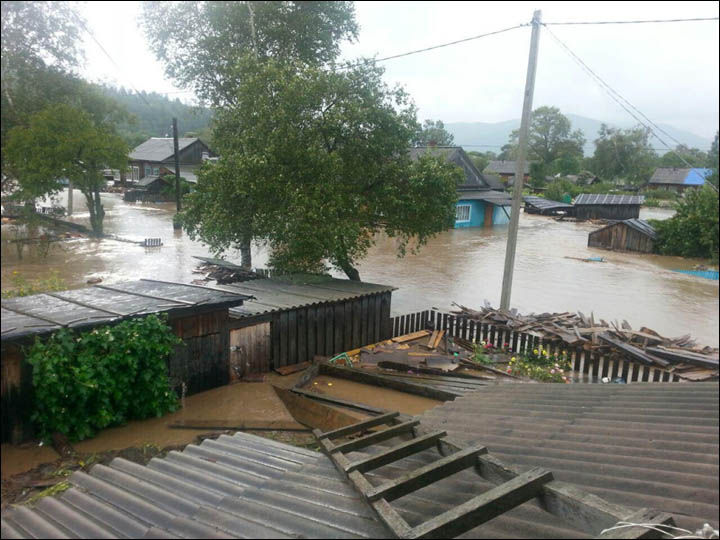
[(607, 211), (621, 237), (300, 334)]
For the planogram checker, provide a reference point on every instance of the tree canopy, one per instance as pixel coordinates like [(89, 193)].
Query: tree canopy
[(315, 162), (200, 43), (624, 153), (433, 133)]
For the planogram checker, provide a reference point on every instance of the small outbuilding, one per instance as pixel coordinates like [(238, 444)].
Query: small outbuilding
[(627, 235), (604, 206), (546, 207)]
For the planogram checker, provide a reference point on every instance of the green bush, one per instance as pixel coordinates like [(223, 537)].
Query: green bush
[(541, 366), (87, 381), (693, 230), (24, 287)]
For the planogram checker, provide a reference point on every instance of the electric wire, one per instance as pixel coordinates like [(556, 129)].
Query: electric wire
[(695, 19)]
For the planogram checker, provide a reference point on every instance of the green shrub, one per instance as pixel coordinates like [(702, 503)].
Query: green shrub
[(24, 287), (540, 365), (87, 381)]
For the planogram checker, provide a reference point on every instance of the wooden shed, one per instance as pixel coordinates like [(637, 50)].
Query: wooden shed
[(627, 235), (604, 206), (293, 318), (198, 315), (546, 207)]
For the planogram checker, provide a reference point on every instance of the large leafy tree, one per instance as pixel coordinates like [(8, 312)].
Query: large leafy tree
[(66, 142), (623, 154), (200, 43), (682, 156), (316, 162), (433, 133), (551, 141)]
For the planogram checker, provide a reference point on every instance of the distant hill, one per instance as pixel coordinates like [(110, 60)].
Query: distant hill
[(495, 135)]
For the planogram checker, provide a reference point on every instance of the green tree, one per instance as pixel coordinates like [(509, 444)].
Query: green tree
[(681, 156), (712, 162), (200, 43), (65, 142), (40, 48), (316, 162), (694, 229), (623, 154), (551, 140), (481, 159), (433, 133)]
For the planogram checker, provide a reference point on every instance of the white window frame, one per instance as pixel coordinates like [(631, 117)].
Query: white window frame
[(457, 213), (156, 171)]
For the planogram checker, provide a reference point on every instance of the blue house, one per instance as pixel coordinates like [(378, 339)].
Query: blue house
[(479, 205), (678, 179)]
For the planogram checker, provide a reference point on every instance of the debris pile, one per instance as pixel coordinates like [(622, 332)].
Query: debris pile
[(682, 355), (224, 274)]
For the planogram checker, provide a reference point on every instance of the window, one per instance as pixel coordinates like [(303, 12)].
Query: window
[(462, 212), (148, 170), (156, 171)]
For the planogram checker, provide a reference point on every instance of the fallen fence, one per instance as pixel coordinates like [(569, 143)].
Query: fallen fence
[(596, 365)]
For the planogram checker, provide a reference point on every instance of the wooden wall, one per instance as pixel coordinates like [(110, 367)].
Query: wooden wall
[(250, 350), (621, 237), (297, 335), (607, 211)]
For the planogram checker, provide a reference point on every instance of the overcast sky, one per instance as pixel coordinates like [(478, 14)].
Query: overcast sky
[(668, 71)]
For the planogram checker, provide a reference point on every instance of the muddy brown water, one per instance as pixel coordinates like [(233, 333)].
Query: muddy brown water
[(461, 265)]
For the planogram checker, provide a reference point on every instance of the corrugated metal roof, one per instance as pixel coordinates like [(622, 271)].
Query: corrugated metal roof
[(295, 291), (639, 225), (499, 198), (504, 167), (545, 204), (640, 445), (687, 177), (159, 148), (233, 487), (100, 304), (603, 198)]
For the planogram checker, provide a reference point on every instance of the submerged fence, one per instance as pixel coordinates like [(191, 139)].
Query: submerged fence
[(596, 365)]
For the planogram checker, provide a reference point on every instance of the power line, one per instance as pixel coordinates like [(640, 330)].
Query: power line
[(620, 99), (417, 51), (632, 22)]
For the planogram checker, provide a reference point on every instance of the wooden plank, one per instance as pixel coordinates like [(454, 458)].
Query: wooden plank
[(686, 357), (377, 303), (425, 475), (356, 323), (433, 338), (348, 326), (411, 336), (367, 409), (313, 414), (364, 323), (386, 418), (292, 337), (308, 376), (634, 352), (302, 353), (320, 331), (396, 453), (283, 360), (329, 330), (647, 516), (289, 370), (240, 425), (484, 507), (376, 437), (365, 377), (311, 332)]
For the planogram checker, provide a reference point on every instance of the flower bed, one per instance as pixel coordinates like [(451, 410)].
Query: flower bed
[(541, 365)]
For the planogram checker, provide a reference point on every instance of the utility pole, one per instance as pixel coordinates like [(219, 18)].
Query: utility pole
[(177, 170), (520, 163)]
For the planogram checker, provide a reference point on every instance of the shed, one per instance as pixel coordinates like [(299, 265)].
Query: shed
[(546, 207), (627, 235), (293, 318), (198, 315), (604, 206)]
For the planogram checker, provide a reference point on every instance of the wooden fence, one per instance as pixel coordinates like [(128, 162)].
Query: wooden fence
[(592, 363)]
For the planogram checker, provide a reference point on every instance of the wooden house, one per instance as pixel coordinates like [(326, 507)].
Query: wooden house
[(673, 179), (157, 153), (627, 235), (615, 207), (198, 315), (479, 203), (505, 170)]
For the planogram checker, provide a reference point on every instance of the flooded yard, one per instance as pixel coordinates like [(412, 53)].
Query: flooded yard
[(462, 265)]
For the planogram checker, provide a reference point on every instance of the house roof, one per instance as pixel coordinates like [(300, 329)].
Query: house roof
[(499, 198), (93, 306), (493, 181), (504, 167), (687, 177), (456, 155), (545, 204), (601, 199), (233, 487), (159, 148), (293, 291), (637, 445), (639, 225)]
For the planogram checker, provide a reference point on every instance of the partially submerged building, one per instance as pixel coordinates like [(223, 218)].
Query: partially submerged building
[(626, 235), (604, 206), (198, 315), (674, 179), (546, 207), (479, 203)]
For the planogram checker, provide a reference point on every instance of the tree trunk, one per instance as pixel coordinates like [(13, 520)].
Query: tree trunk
[(350, 271), (123, 177), (97, 212), (246, 252)]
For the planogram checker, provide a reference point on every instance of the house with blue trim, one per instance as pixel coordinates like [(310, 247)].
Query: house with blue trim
[(479, 205), (672, 179)]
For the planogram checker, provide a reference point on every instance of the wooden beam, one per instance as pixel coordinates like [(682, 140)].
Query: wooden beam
[(423, 476), (376, 437), (484, 507), (360, 426), (396, 453), (647, 516), (411, 337), (341, 402)]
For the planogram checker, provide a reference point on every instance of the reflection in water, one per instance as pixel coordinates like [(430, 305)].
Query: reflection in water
[(462, 265)]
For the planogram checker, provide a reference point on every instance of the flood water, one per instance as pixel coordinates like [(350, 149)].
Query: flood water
[(462, 265)]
